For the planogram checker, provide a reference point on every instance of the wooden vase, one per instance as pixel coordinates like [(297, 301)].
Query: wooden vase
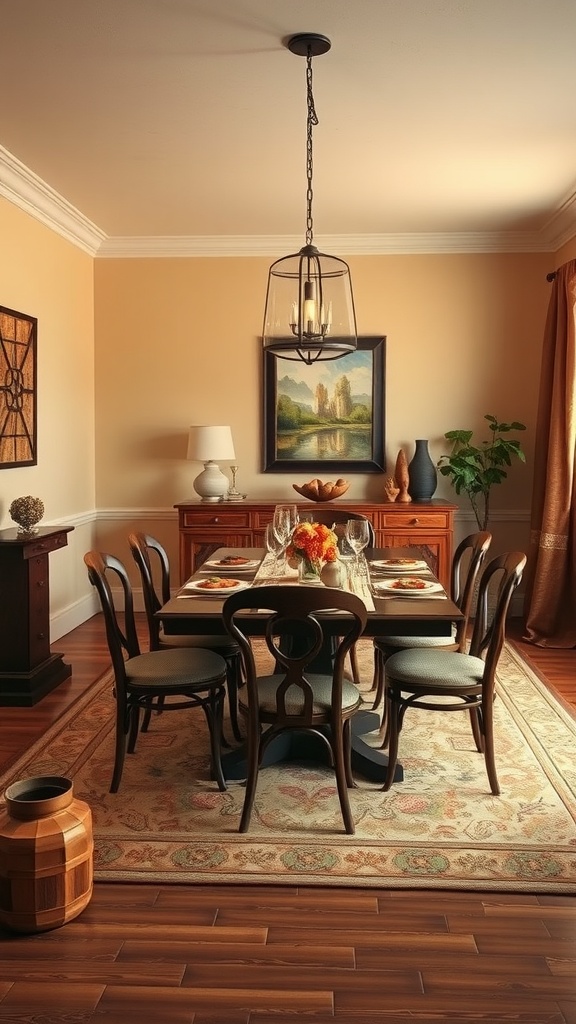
[(401, 476), (46, 854)]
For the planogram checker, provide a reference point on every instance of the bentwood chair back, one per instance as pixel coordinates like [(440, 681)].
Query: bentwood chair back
[(337, 519), (294, 698), (432, 679), (467, 563), (154, 567), (167, 680)]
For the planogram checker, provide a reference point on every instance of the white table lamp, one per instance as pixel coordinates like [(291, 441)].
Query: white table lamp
[(209, 445)]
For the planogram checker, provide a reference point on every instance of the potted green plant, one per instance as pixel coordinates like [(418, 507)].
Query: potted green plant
[(475, 470)]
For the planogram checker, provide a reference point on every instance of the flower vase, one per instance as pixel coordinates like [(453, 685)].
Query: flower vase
[(309, 572), (422, 473)]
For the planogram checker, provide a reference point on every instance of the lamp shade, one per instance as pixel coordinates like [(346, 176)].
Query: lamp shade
[(210, 444), (309, 312)]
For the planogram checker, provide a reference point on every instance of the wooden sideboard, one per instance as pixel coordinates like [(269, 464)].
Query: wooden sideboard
[(203, 527), (27, 668)]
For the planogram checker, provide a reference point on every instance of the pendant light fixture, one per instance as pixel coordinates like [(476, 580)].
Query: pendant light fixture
[(309, 313)]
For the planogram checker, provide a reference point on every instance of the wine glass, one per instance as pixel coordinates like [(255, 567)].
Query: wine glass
[(274, 546), (285, 521), (358, 537)]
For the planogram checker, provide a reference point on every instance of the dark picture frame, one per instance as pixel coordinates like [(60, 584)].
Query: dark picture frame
[(327, 417), (18, 383)]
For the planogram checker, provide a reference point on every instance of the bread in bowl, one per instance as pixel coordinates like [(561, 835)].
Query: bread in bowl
[(315, 490)]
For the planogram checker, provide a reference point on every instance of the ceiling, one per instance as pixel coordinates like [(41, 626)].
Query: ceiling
[(443, 124)]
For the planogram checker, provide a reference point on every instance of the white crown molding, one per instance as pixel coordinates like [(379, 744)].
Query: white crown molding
[(357, 245), (561, 225), (26, 190)]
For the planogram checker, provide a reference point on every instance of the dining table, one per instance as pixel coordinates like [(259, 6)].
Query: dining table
[(390, 612)]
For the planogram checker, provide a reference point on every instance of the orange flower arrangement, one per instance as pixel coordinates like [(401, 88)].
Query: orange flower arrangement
[(314, 544)]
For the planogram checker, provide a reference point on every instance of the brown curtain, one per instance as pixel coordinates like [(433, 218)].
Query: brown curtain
[(550, 604)]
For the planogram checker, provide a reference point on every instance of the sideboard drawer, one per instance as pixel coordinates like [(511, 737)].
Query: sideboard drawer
[(226, 518), (429, 520), (262, 518), (45, 544)]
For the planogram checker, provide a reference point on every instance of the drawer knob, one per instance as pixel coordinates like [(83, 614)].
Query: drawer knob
[(415, 521), (216, 519)]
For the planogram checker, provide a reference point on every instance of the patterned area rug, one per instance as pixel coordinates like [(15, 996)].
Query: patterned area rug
[(440, 828)]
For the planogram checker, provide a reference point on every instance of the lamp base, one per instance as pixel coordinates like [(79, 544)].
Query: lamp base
[(211, 485)]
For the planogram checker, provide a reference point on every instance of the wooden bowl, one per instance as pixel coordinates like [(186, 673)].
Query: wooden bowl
[(315, 490)]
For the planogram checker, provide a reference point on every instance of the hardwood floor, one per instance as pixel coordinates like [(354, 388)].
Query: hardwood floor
[(260, 955)]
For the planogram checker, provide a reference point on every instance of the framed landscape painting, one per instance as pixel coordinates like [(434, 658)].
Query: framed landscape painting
[(328, 416)]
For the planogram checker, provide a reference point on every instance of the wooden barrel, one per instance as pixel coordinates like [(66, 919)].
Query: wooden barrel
[(46, 854)]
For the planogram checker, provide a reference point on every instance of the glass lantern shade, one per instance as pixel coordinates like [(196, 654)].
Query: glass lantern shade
[(309, 314)]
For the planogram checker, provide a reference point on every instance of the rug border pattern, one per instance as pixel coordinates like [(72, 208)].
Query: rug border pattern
[(245, 858)]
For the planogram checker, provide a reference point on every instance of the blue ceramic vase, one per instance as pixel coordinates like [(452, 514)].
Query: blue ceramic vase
[(421, 473)]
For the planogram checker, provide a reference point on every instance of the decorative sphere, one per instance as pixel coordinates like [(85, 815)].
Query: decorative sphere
[(26, 512)]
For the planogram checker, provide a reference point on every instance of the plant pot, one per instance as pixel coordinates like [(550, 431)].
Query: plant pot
[(46, 854)]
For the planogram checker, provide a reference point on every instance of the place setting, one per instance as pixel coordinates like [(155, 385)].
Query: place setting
[(231, 563), (408, 586), (412, 586), (397, 566), (213, 586)]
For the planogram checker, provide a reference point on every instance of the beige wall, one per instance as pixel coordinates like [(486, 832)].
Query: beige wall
[(47, 277), (177, 342), (131, 352)]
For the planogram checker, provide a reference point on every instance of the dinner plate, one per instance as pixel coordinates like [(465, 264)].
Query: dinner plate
[(407, 565), (248, 566), (198, 587), (424, 587)]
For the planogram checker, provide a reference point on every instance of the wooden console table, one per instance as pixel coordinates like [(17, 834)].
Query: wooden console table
[(204, 527), (28, 670)]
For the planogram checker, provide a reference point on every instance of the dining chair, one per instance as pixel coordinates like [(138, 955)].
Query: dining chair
[(292, 698), (467, 562), (438, 680), (154, 567), (337, 519), (169, 680)]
